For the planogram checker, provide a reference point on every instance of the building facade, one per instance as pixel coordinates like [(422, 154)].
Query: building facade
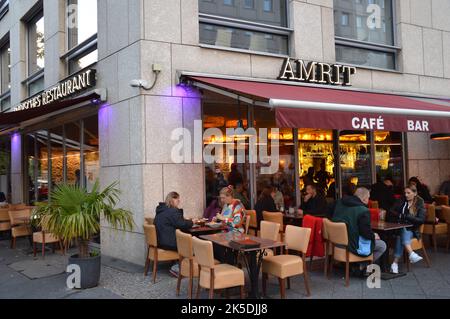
[(116, 131)]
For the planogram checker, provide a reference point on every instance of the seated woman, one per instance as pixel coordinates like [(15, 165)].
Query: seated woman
[(169, 218), (412, 210), (265, 203), (233, 212), (213, 209)]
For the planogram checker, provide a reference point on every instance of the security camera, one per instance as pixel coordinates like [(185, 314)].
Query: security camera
[(140, 84)]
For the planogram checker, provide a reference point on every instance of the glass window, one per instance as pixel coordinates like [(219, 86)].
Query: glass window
[(5, 65), (36, 44), (57, 157), (355, 160), (36, 86), (265, 37), (389, 158), (73, 153), (226, 169), (82, 21), (283, 180), (358, 25), (366, 57), (243, 39), (91, 152), (78, 64), (228, 2), (5, 167)]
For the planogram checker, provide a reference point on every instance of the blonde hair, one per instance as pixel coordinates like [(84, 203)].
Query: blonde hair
[(170, 197), (227, 191)]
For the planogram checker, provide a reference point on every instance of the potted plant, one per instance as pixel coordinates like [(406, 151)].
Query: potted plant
[(73, 214)]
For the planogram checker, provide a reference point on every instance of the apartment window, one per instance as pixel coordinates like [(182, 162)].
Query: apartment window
[(36, 53), (365, 33), (4, 8), (5, 77), (259, 26), (228, 2), (82, 29)]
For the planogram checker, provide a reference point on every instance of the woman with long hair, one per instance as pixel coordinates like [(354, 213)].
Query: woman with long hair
[(412, 211), (265, 202)]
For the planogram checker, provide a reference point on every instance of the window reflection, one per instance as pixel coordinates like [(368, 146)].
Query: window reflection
[(91, 152), (36, 44), (389, 158), (82, 21)]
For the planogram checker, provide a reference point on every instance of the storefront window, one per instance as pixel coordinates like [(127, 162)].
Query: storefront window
[(73, 155), (5, 168), (227, 170), (57, 157), (283, 180), (355, 160), (389, 158), (316, 159), (91, 152)]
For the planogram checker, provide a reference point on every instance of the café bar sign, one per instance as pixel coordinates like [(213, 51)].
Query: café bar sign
[(316, 72), (62, 90)]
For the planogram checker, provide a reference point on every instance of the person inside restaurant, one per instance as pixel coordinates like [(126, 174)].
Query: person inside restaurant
[(3, 201), (215, 207), (265, 203), (323, 178), (412, 211), (235, 177), (313, 203), (383, 193), (353, 211), (422, 190), (240, 193), (233, 212), (445, 188)]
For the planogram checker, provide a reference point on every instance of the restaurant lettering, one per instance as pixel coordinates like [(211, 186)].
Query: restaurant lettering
[(316, 72), (368, 123), (69, 87)]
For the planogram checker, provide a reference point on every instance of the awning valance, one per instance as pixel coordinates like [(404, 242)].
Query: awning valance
[(331, 108)]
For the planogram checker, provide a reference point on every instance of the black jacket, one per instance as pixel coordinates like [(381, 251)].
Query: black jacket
[(167, 221), (383, 194), (403, 215), (265, 204), (315, 206), (364, 222)]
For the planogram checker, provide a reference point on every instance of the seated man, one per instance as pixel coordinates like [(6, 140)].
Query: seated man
[(313, 203), (353, 211)]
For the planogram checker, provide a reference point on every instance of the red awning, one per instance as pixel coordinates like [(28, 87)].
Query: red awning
[(299, 106), (8, 119)]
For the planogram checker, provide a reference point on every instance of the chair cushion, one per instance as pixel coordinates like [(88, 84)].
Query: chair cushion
[(21, 231), (49, 238), (164, 255), (440, 229), (339, 255), (283, 266), (225, 276)]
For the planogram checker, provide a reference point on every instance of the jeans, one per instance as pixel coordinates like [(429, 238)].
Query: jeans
[(380, 248), (403, 239)]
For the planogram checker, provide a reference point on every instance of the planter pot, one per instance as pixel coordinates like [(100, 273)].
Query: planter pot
[(90, 270)]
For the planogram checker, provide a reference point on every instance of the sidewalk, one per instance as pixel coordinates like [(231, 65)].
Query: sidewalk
[(22, 276)]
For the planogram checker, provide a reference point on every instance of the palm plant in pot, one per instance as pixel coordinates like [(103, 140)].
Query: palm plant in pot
[(73, 214)]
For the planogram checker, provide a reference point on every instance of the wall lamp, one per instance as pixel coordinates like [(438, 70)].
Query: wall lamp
[(144, 84), (440, 137)]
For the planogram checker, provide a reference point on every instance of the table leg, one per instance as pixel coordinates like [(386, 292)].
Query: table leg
[(253, 263)]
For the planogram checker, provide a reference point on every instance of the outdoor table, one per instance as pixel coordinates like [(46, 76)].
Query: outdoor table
[(206, 230), (253, 257), (387, 230)]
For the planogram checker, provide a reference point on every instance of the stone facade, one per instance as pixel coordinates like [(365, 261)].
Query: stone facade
[(135, 125)]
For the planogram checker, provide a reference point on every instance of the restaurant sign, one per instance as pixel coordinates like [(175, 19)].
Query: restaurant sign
[(64, 89), (316, 72)]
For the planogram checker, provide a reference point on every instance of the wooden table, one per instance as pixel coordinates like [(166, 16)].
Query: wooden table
[(295, 220), (206, 230), (387, 230), (253, 257)]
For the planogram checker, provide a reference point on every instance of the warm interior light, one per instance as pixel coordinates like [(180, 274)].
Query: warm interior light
[(440, 137)]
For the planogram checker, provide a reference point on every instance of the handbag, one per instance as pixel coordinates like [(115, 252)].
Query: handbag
[(364, 247)]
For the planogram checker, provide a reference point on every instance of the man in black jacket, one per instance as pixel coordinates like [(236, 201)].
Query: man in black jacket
[(383, 193), (168, 219), (313, 204)]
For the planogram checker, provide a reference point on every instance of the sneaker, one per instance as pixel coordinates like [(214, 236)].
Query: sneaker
[(394, 268), (175, 270), (414, 258)]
